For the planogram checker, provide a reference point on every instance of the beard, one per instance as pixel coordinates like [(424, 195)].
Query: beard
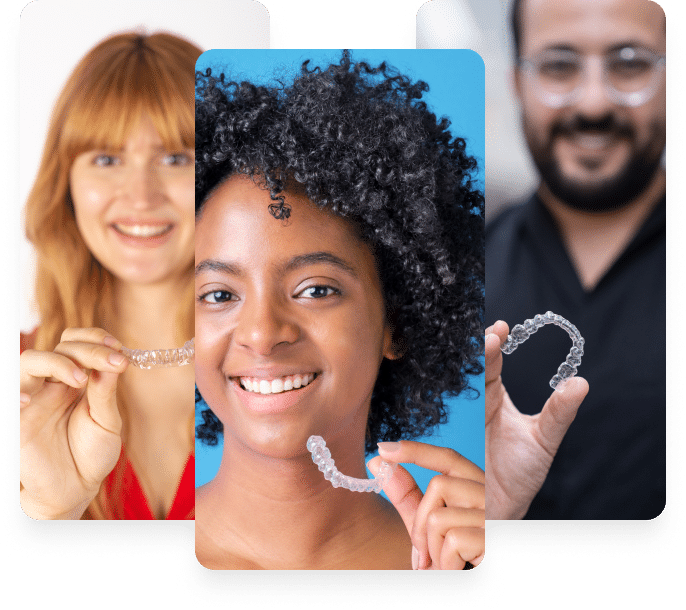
[(612, 193)]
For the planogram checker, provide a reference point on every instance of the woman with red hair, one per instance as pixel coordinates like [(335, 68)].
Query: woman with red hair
[(111, 218)]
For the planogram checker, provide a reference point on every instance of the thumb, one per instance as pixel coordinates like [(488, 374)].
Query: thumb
[(101, 394), (559, 412), (402, 490)]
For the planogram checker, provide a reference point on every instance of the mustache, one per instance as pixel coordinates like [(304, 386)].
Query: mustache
[(605, 124)]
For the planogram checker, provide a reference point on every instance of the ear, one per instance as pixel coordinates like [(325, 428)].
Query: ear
[(393, 349)]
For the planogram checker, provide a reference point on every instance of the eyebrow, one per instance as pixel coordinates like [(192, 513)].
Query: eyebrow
[(297, 262), (635, 44), (316, 258), (215, 265)]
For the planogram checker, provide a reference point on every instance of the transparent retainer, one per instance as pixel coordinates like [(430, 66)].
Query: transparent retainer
[(568, 369), (158, 358), (322, 457)]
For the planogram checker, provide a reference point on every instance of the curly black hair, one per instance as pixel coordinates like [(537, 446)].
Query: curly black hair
[(362, 144)]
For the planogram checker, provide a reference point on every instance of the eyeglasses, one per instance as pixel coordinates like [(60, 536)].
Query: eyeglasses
[(630, 75)]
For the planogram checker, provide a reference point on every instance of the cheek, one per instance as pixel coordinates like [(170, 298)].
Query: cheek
[(89, 198), (182, 193), (356, 343), (211, 345)]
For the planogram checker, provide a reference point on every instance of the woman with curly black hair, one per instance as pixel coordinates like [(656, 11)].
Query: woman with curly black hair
[(339, 292)]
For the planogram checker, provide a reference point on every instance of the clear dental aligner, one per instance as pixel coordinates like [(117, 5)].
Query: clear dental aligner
[(521, 332), (322, 457), (158, 358)]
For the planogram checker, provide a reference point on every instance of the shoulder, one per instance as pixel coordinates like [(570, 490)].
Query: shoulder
[(508, 220)]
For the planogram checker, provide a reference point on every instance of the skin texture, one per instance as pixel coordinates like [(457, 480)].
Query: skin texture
[(256, 318), (145, 184), (71, 429)]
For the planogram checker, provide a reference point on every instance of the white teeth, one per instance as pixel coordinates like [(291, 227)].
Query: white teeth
[(276, 386), (593, 142), (142, 230)]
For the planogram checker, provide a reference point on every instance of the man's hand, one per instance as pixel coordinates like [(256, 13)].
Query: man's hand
[(520, 448)]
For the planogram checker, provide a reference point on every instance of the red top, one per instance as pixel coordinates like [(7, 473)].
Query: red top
[(122, 483)]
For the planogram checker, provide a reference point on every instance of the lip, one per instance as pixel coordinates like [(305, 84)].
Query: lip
[(141, 241), (270, 403)]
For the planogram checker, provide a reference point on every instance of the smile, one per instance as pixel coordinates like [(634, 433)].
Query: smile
[(142, 230), (277, 385), (594, 141)]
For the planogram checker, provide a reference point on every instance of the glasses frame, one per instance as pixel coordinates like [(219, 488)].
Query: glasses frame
[(562, 100)]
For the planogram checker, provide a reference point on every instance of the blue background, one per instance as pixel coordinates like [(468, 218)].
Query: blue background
[(456, 90)]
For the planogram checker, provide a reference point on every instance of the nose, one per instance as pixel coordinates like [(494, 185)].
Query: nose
[(593, 101), (142, 186), (264, 326)]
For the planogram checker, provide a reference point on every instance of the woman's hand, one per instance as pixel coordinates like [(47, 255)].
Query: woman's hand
[(70, 424), (446, 524), (520, 448)]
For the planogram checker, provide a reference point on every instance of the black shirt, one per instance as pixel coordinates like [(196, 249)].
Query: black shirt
[(611, 463)]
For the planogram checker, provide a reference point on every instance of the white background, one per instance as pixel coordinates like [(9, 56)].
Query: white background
[(56, 34)]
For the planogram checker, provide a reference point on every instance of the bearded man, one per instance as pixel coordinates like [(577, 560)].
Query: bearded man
[(589, 245)]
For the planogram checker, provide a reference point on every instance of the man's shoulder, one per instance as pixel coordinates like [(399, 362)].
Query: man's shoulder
[(509, 220)]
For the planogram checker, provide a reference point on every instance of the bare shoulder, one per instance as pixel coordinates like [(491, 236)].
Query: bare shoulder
[(212, 548)]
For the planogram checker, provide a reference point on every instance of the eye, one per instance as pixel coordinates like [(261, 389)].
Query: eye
[(559, 68), (318, 291), (630, 68), (103, 160), (177, 159), (216, 297)]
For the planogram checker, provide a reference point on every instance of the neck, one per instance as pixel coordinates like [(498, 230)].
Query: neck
[(283, 514), (595, 240), (147, 316)]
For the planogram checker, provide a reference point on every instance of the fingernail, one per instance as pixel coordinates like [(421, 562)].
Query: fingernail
[(116, 359), (24, 398), (415, 558), (80, 376), (389, 447), (110, 341)]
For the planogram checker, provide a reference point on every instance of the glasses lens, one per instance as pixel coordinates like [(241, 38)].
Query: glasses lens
[(632, 70), (558, 72)]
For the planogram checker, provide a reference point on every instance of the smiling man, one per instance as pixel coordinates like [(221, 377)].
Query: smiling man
[(590, 246)]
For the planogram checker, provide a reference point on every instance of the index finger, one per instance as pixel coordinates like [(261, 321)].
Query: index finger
[(440, 459), (90, 335), (402, 491)]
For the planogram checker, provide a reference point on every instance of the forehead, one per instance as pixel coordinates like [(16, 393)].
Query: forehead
[(591, 26), (236, 223)]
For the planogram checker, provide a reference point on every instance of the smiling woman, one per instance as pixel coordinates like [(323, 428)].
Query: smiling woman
[(111, 219), (339, 293)]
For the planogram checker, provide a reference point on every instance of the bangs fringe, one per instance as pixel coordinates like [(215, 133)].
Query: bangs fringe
[(110, 98)]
